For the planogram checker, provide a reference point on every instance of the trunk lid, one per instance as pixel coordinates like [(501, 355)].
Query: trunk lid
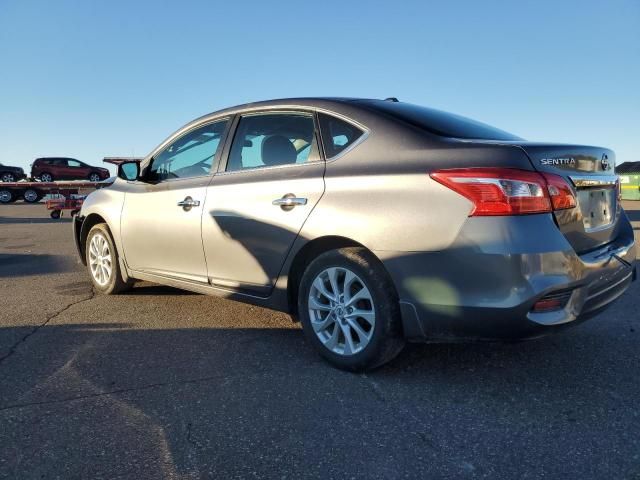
[(591, 173)]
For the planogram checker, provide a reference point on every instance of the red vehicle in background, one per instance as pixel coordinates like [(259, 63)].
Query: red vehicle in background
[(62, 168)]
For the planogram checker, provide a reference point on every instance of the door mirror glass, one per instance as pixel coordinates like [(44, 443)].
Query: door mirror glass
[(129, 171)]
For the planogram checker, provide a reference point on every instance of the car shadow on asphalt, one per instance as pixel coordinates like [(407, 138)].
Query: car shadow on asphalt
[(29, 264), (128, 355), (33, 220), (225, 388)]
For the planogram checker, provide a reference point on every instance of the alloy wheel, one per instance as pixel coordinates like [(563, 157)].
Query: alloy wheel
[(46, 177), (94, 177), (8, 177), (341, 310), (100, 259)]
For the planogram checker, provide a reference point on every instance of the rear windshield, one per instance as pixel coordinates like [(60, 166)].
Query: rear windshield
[(441, 123)]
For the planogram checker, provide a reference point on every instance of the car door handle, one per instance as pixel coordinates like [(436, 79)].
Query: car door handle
[(289, 201), (189, 202)]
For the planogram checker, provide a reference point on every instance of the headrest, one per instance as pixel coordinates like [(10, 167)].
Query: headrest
[(278, 150)]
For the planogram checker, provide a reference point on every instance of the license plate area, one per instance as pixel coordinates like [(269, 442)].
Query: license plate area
[(598, 206)]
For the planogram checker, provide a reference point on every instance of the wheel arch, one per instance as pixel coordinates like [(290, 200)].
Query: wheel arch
[(87, 224), (306, 254)]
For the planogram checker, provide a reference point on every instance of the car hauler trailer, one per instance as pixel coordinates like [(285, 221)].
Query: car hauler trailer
[(32, 192)]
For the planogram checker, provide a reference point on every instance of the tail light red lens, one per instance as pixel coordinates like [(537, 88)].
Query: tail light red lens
[(560, 192), (506, 191)]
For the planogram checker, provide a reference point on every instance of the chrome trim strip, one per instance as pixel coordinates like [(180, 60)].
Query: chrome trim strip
[(593, 181)]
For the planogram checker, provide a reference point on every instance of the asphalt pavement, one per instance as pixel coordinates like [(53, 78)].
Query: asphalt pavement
[(159, 383)]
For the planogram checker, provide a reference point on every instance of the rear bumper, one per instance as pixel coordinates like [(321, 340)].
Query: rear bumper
[(484, 286)]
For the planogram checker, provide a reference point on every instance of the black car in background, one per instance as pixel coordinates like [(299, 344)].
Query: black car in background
[(11, 174)]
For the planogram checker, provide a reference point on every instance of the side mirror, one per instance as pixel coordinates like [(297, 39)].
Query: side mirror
[(129, 171)]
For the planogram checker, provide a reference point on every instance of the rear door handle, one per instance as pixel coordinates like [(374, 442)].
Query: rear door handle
[(289, 201)]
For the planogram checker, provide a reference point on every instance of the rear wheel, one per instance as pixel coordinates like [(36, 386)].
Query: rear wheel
[(55, 214), (6, 195), (7, 177), (102, 261), (46, 177), (349, 309), (31, 195), (94, 177)]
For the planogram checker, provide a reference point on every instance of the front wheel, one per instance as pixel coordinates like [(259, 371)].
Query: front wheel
[(94, 177), (102, 261), (46, 177), (349, 309), (8, 177)]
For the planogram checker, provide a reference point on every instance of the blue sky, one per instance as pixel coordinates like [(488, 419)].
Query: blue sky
[(88, 79)]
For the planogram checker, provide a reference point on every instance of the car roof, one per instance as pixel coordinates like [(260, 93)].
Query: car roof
[(329, 103)]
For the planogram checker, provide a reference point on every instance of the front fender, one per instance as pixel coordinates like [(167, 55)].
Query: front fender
[(101, 206)]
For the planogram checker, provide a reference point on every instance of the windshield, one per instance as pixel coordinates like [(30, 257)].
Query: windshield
[(441, 123)]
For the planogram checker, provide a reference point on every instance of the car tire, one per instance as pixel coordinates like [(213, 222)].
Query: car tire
[(6, 195), (7, 177), (94, 177), (103, 262), (46, 177), (349, 309), (31, 195)]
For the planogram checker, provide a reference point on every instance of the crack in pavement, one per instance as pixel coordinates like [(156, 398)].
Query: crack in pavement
[(428, 440), (115, 391), (35, 329)]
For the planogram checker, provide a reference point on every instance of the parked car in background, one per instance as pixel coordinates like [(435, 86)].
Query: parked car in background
[(11, 174), (61, 168), (371, 221)]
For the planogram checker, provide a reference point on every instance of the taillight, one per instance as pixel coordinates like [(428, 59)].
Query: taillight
[(506, 191), (560, 192)]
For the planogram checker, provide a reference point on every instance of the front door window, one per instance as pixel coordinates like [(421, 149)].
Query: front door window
[(189, 156)]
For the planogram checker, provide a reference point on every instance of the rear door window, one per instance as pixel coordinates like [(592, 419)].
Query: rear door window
[(273, 139), (337, 135)]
